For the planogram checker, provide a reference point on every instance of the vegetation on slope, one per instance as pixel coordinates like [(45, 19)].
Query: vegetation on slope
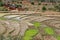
[(29, 34), (49, 31)]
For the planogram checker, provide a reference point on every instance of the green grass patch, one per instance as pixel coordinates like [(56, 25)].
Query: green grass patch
[(49, 30), (27, 38), (29, 33), (3, 9), (37, 24), (58, 37), (2, 18)]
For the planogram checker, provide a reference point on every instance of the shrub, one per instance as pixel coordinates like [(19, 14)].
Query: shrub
[(59, 4), (3, 9), (1, 4), (26, 9), (46, 4), (39, 3), (50, 8), (32, 3), (57, 8), (21, 2), (18, 6), (44, 8)]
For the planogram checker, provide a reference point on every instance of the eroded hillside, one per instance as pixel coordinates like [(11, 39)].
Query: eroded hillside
[(30, 27)]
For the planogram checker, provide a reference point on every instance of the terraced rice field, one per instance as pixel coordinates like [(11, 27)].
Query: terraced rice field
[(29, 27)]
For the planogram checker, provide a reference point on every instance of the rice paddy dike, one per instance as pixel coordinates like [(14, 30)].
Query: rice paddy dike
[(29, 27)]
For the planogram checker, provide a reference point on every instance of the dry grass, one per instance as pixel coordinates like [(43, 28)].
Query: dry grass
[(1, 14)]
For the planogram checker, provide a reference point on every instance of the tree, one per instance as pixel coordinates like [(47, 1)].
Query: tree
[(44, 8), (39, 3), (32, 3), (57, 8), (42, 0), (1, 3)]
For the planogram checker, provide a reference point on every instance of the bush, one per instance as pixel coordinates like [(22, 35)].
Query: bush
[(32, 3), (57, 8), (50, 8), (44, 8), (59, 4), (3, 9), (46, 4), (1, 4), (39, 3), (18, 6), (26, 9), (20, 2)]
